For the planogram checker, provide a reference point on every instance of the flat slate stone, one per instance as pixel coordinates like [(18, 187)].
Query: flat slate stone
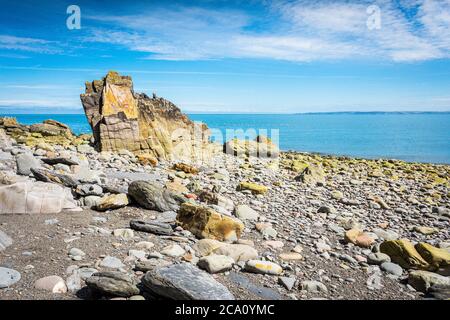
[(8, 277), (53, 161), (113, 283), (53, 177), (260, 291), (185, 282), (155, 227)]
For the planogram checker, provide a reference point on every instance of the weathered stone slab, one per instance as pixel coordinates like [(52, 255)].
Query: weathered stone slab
[(151, 227), (35, 197), (185, 282)]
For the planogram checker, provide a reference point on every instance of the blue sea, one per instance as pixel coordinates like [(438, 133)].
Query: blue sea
[(415, 137)]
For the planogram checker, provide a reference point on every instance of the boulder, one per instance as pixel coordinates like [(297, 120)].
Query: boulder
[(111, 202), (51, 128), (45, 175), (123, 119), (25, 162), (112, 283), (238, 252), (436, 257), (35, 197), (216, 263), (204, 222), (262, 147), (54, 284), (151, 195), (403, 253), (185, 282), (422, 280), (253, 187)]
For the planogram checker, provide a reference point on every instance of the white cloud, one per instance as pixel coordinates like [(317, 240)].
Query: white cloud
[(28, 44), (294, 31), (48, 103)]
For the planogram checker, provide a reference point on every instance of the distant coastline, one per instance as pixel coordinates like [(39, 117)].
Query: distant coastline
[(409, 136), (80, 112)]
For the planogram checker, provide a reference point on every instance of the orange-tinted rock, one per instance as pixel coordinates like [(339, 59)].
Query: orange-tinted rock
[(359, 238), (123, 119), (185, 168), (147, 159), (204, 222)]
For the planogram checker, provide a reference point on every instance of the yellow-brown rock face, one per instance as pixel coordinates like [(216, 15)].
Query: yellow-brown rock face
[(204, 222), (403, 253), (123, 119)]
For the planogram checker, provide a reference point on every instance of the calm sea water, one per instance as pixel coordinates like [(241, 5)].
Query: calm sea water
[(421, 137)]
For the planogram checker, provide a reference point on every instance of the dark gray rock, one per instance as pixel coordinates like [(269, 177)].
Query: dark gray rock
[(53, 177), (147, 265), (66, 161), (153, 196), (112, 283), (185, 282), (287, 282), (392, 268), (440, 291), (245, 283), (155, 227)]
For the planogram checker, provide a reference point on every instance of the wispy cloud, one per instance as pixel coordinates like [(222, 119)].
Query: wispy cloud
[(28, 44), (56, 102), (294, 31), (39, 86)]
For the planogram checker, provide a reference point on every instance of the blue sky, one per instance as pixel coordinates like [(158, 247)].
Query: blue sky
[(231, 56)]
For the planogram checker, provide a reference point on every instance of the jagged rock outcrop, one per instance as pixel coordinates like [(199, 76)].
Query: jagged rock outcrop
[(123, 119), (49, 132), (261, 147)]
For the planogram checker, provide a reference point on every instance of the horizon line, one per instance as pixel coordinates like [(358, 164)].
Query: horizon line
[(255, 113)]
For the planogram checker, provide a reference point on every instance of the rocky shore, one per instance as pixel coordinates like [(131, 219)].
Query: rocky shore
[(81, 222)]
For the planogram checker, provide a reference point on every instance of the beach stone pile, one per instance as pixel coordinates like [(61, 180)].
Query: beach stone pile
[(77, 222)]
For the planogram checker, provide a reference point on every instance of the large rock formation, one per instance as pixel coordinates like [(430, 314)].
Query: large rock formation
[(48, 132), (34, 197), (123, 119)]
